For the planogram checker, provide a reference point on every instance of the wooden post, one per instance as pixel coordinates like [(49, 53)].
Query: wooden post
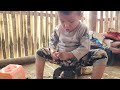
[(93, 20)]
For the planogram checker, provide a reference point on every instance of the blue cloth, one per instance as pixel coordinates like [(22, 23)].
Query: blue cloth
[(95, 40)]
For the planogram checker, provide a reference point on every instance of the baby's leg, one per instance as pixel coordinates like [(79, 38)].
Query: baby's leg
[(40, 62), (98, 58), (100, 64)]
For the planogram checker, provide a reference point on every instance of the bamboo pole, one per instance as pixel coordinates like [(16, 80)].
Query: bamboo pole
[(101, 22), (47, 31), (56, 19), (93, 20), (18, 32), (35, 31), (32, 33), (106, 21), (51, 22), (7, 53), (25, 36), (43, 33), (14, 34), (41, 29), (10, 37), (31, 13), (1, 31), (29, 34), (3, 46), (111, 19), (22, 34), (3, 36), (116, 20)]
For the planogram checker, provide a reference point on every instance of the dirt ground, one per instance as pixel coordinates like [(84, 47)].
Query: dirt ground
[(111, 72)]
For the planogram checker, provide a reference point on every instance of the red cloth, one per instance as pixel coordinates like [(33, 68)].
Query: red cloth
[(112, 35)]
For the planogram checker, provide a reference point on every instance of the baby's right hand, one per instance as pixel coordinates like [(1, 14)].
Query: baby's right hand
[(55, 55)]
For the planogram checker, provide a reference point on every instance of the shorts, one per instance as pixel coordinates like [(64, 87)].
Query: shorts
[(93, 57)]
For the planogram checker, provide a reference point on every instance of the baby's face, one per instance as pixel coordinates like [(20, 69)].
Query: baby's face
[(69, 22)]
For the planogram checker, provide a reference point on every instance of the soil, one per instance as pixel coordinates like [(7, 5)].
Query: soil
[(111, 72)]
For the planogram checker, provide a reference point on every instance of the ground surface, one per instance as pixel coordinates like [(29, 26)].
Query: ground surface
[(111, 72)]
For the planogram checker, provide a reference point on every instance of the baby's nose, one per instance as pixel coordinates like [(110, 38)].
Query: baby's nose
[(66, 25)]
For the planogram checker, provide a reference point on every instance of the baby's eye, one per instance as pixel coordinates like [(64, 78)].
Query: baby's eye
[(71, 21), (62, 21)]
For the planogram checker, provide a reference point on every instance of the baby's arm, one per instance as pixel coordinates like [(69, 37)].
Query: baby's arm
[(115, 50), (52, 44), (54, 39), (114, 44), (84, 47)]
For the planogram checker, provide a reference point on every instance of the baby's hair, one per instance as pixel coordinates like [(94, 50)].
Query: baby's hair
[(69, 12)]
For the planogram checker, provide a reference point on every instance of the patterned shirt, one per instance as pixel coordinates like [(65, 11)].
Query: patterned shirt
[(76, 41)]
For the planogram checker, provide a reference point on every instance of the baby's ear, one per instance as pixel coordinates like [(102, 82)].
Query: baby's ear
[(81, 14), (80, 17)]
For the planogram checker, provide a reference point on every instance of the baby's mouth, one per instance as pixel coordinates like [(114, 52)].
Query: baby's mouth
[(68, 30)]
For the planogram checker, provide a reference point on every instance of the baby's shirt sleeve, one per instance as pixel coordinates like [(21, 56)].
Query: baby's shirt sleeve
[(54, 39), (84, 47)]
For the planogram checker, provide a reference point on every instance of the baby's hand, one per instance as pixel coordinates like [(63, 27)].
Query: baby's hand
[(65, 55), (55, 55)]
